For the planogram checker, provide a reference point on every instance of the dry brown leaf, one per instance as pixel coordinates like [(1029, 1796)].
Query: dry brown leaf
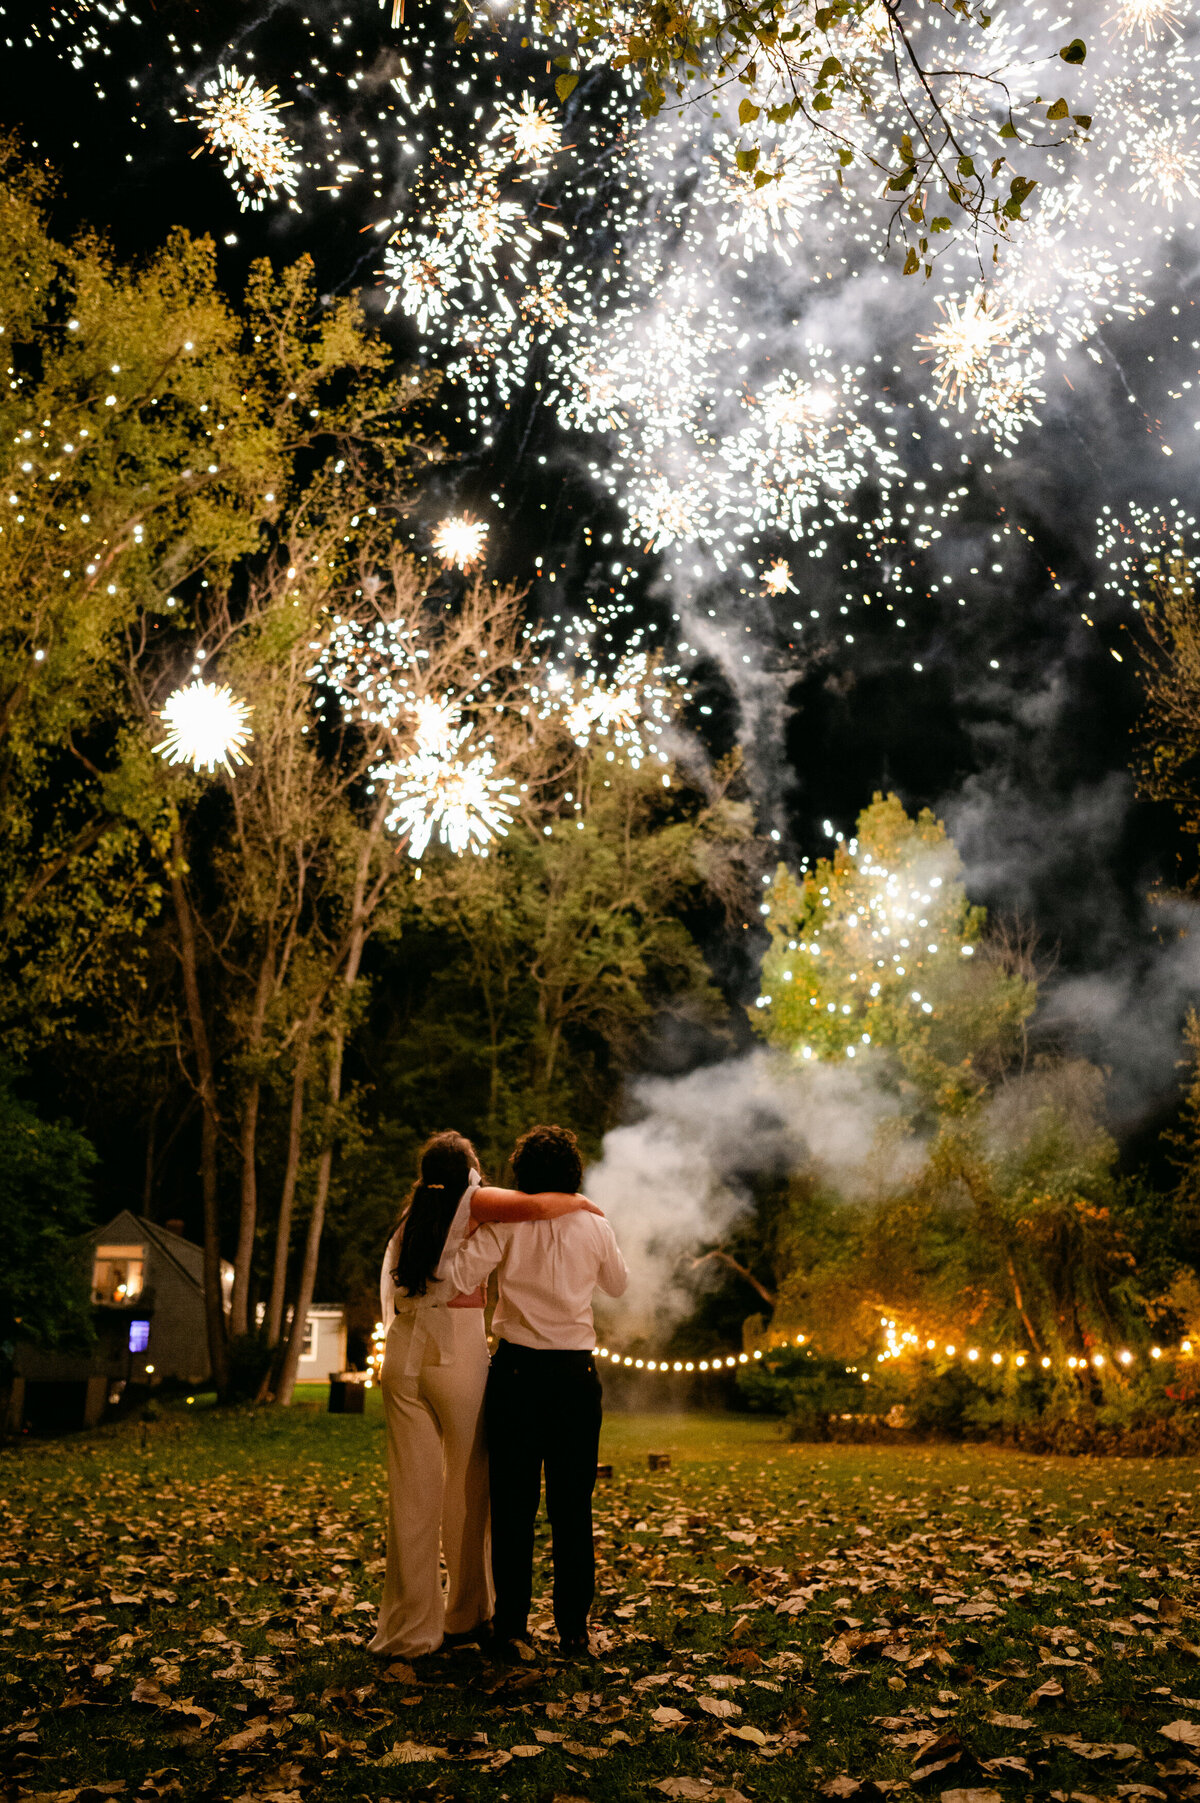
[(526, 1752), (409, 1752), (720, 1706), (666, 1717), (246, 1737), (147, 1691), (1049, 1692), (1186, 1734), (971, 1796), (1009, 1721), (684, 1787)]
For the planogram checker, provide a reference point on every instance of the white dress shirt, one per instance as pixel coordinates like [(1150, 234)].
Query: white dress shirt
[(548, 1271)]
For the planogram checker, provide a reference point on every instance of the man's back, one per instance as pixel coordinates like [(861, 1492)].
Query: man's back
[(547, 1273)]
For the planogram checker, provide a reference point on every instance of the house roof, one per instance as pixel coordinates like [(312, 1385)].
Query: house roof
[(186, 1257)]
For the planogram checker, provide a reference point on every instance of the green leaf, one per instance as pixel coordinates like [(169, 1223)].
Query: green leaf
[(912, 263), (939, 224), (748, 112), (831, 66), (1021, 187), (966, 167), (821, 103), (1008, 129), (566, 85), (746, 159), (1059, 110), (1083, 121), (845, 158), (1075, 52), (763, 176)]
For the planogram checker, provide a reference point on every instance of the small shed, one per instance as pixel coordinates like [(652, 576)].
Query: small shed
[(323, 1351)]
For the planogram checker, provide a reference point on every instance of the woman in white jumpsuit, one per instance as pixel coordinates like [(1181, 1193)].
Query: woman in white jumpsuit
[(435, 1367)]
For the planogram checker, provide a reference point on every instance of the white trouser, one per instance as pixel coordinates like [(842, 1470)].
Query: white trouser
[(437, 1484)]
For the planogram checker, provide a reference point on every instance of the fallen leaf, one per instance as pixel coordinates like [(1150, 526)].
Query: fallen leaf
[(684, 1787), (1186, 1734), (748, 1732), (971, 1796), (147, 1691), (1049, 1692), (408, 1752), (720, 1706), (526, 1752), (246, 1737), (666, 1717), (1009, 1721)]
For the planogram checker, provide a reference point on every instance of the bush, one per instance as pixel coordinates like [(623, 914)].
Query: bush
[(1152, 1410)]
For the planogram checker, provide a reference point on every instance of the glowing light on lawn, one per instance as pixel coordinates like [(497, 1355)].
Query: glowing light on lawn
[(206, 725)]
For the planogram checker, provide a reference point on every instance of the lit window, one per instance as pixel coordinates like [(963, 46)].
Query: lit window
[(117, 1274), (307, 1350), (139, 1336)]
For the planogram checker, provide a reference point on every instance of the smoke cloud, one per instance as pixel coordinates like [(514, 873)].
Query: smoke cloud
[(677, 1178)]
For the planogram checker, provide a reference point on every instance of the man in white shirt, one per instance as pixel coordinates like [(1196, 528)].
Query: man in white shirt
[(543, 1404)]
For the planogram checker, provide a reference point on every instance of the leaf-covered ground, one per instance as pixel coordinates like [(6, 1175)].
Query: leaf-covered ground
[(185, 1607)]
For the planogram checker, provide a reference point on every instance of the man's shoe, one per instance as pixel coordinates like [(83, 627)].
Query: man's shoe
[(575, 1649), (512, 1652)]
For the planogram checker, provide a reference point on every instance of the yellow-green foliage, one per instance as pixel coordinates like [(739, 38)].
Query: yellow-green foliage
[(877, 946)]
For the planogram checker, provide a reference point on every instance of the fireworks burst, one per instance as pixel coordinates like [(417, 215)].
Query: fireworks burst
[(1166, 162), (777, 579), (457, 799), (961, 348), (1147, 17), (532, 130), (241, 120), (206, 725), (460, 541)]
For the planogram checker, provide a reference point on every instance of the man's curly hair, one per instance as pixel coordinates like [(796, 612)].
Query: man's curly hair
[(547, 1158)]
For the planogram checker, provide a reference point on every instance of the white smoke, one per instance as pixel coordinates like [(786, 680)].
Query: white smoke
[(677, 1179)]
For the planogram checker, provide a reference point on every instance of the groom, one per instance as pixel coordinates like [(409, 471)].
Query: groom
[(543, 1401)]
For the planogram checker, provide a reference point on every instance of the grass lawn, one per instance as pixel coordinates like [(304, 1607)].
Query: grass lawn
[(185, 1607)]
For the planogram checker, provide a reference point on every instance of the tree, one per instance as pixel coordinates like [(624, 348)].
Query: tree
[(991, 1190), (44, 1204), (914, 96)]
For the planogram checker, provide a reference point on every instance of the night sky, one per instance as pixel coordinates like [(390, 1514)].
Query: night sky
[(995, 702)]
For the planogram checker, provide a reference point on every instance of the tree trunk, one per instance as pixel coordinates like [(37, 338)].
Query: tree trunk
[(239, 1316), (316, 1226), (725, 1258), (287, 1200), (214, 1310), (316, 1220)]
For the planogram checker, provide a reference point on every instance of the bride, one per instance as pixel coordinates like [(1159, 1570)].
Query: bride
[(435, 1367)]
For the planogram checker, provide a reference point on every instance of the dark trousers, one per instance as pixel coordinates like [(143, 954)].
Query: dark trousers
[(542, 1410)]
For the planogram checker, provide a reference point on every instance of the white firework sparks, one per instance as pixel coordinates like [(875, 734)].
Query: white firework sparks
[(456, 798), (420, 272), (241, 120), (460, 540), (437, 724), (755, 218), (962, 347), (1165, 159), (806, 443), (1147, 17), (206, 725), (532, 130)]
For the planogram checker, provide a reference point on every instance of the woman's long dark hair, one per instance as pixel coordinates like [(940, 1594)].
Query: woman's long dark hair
[(447, 1161)]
